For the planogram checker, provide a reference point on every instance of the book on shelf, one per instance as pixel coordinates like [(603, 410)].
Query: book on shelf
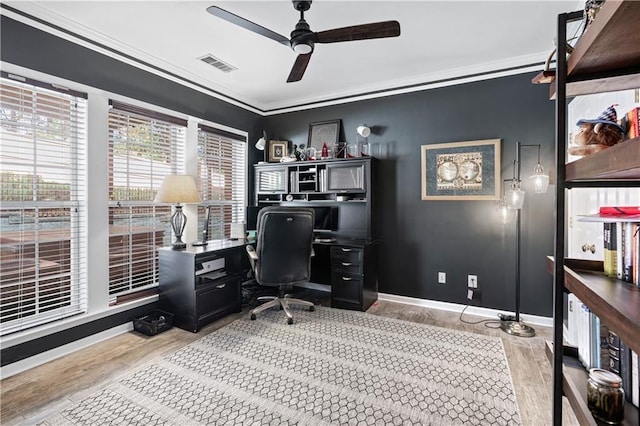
[(624, 362), (631, 121), (621, 248), (588, 334)]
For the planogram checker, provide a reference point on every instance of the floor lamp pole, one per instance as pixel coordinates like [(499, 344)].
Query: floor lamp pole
[(516, 327)]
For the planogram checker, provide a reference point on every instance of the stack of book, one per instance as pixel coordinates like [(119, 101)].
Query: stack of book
[(621, 228), (600, 347)]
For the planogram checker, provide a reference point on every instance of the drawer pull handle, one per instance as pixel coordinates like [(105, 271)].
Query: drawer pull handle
[(346, 263), (221, 285), (346, 278), (346, 249)]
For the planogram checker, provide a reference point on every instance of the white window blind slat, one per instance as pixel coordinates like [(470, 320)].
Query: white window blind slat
[(221, 180), (142, 151), (42, 170)]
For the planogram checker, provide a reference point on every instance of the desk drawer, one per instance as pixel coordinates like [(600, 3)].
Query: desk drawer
[(346, 288), (346, 254), (221, 296), (346, 267)]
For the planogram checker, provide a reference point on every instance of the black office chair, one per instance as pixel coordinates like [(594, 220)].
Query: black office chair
[(282, 256)]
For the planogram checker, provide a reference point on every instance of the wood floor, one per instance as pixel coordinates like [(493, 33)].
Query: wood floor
[(30, 397)]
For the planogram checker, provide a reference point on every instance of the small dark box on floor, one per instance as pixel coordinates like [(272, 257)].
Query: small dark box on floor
[(153, 323)]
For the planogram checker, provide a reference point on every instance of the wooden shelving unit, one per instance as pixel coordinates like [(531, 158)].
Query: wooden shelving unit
[(606, 58)]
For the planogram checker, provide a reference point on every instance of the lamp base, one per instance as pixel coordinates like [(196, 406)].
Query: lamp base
[(178, 246), (199, 243), (517, 329)]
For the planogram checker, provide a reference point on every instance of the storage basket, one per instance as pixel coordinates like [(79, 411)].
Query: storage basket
[(153, 323)]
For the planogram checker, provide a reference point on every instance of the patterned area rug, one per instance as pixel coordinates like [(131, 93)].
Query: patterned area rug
[(331, 367)]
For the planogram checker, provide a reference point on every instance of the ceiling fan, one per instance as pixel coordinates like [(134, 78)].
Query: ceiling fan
[(303, 39)]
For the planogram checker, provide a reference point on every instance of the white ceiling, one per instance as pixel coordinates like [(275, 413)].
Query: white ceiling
[(439, 40)]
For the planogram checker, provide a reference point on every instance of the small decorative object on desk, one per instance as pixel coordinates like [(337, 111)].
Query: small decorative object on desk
[(605, 396), (325, 151)]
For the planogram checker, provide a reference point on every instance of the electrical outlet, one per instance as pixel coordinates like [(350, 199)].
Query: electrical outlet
[(472, 281), (442, 277)]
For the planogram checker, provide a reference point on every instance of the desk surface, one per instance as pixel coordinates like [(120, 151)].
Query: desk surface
[(212, 245)]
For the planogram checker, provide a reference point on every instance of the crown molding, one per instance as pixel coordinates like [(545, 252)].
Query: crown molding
[(43, 19)]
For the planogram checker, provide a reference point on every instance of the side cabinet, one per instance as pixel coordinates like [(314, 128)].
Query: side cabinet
[(200, 286), (354, 276)]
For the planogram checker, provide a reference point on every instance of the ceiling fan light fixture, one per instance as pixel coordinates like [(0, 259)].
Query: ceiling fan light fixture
[(302, 48)]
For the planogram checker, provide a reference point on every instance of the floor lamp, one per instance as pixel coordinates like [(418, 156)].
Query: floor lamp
[(514, 199)]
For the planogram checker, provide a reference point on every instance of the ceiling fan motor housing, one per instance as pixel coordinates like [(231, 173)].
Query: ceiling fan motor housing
[(302, 38)]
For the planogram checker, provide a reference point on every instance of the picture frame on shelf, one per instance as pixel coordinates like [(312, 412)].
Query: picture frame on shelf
[(277, 151), (324, 132), (461, 170)]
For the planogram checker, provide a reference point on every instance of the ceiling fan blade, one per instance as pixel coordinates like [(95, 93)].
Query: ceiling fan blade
[(246, 24), (299, 67), (360, 32)]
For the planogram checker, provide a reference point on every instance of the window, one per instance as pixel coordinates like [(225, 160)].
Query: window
[(144, 147), (43, 225), (221, 179)]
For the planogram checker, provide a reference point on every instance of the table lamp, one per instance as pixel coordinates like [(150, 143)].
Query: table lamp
[(178, 189)]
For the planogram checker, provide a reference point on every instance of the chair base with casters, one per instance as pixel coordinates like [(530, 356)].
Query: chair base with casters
[(283, 303)]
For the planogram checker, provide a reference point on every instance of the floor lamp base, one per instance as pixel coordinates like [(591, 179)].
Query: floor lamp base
[(517, 329)]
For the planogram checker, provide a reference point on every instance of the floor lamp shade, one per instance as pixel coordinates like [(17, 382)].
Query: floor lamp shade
[(178, 189)]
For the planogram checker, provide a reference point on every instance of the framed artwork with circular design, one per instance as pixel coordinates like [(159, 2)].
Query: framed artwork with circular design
[(461, 170)]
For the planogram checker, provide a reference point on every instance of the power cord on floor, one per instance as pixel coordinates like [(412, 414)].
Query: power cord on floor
[(487, 322)]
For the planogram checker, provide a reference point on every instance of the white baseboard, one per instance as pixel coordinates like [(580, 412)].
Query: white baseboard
[(44, 357), (472, 310)]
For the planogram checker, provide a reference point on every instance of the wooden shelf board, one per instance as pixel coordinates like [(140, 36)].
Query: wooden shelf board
[(574, 385), (616, 24), (615, 302), (621, 161)]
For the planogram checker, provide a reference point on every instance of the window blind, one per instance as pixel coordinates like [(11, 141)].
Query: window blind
[(42, 213), (221, 180), (144, 147)]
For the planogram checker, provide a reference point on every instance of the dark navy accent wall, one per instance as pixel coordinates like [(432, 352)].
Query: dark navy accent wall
[(421, 238)]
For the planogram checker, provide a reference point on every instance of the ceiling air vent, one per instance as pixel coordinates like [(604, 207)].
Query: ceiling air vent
[(218, 63)]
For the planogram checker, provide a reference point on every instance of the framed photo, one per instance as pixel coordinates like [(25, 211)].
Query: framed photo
[(323, 131), (461, 170), (278, 150)]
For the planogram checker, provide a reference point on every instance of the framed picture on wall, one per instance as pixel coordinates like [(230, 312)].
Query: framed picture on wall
[(461, 170), (324, 132), (278, 150)]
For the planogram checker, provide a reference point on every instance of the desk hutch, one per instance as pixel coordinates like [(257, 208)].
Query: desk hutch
[(346, 255)]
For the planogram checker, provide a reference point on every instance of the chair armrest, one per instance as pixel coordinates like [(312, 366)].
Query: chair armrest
[(252, 252), (253, 256)]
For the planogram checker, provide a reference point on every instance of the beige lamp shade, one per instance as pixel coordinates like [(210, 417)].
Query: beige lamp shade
[(176, 189)]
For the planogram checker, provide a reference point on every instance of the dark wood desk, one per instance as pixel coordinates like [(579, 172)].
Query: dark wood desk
[(201, 284), (349, 266)]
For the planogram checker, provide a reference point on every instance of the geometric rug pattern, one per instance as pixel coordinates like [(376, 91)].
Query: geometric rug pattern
[(331, 366)]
